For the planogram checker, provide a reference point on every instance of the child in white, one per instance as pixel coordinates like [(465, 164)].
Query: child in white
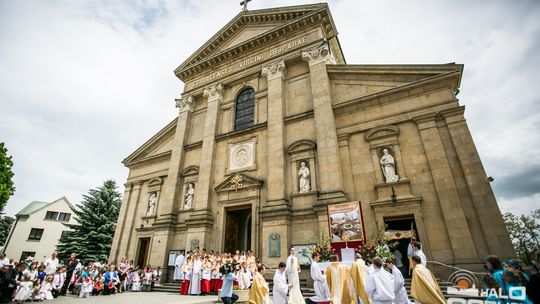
[(25, 290), (86, 288)]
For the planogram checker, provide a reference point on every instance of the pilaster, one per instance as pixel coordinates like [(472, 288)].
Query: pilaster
[(201, 219), (331, 181), (166, 214), (488, 213), (121, 223), (456, 224), (275, 74), (131, 212)]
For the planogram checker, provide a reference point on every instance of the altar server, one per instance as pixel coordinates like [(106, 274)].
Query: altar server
[(380, 284), (322, 293), (281, 287)]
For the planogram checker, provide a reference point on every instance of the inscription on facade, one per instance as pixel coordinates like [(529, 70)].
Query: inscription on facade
[(266, 54)]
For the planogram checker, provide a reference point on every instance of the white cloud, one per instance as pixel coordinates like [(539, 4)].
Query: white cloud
[(520, 205), (84, 83)]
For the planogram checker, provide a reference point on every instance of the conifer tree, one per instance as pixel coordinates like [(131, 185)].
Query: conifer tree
[(6, 177), (91, 237)]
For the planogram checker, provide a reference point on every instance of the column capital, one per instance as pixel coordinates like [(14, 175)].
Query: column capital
[(185, 103), (274, 70), (213, 92), (318, 55)]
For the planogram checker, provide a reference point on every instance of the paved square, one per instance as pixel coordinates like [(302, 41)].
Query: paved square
[(138, 298)]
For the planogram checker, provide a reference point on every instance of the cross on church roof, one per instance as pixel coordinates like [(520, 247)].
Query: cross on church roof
[(244, 4)]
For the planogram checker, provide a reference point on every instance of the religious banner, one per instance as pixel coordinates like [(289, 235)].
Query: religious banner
[(345, 222)]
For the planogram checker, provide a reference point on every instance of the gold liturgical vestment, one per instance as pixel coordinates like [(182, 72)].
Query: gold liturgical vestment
[(424, 287), (258, 294), (359, 280), (337, 277)]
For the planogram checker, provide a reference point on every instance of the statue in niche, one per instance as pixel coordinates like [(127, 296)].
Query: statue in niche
[(274, 245), (388, 167), (304, 175), (190, 192), (152, 200)]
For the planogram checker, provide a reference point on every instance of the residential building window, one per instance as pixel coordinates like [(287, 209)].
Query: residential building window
[(26, 254), (245, 109), (64, 216), (35, 234), (51, 215)]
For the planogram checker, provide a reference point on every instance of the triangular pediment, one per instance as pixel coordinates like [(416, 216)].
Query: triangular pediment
[(238, 181), (159, 145), (375, 80), (250, 29)]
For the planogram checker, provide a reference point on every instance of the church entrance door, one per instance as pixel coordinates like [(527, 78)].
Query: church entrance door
[(238, 229), (142, 255), (403, 223)]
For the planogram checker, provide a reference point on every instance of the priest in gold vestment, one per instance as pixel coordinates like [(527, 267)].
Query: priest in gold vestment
[(258, 294), (338, 279), (424, 287), (359, 273)]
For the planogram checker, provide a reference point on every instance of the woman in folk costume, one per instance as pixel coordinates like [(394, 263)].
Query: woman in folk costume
[(281, 287), (292, 269), (337, 277), (186, 269), (359, 274), (196, 271), (258, 294), (424, 287), (206, 276)]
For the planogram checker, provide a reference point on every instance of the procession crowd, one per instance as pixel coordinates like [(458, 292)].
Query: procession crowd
[(365, 281), (37, 281)]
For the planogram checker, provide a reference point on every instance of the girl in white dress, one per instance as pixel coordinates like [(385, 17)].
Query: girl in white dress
[(47, 287), (26, 288), (136, 281)]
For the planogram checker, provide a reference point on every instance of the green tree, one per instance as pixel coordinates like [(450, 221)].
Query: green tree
[(5, 227), (6, 174), (524, 233), (91, 238)]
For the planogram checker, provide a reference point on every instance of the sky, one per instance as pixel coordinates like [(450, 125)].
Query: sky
[(85, 83)]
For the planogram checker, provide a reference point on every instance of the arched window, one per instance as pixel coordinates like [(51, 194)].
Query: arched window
[(245, 101)]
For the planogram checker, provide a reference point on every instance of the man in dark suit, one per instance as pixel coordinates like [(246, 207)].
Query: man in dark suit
[(71, 264)]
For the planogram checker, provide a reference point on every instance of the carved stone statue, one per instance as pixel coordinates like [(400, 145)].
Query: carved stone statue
[(303, 174), (152, 200), (388, 167), (190, 192)]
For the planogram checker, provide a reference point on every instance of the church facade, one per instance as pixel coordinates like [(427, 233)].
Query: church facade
[(274, 126)]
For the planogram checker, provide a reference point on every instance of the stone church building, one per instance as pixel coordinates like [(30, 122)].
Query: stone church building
[(273, 126)]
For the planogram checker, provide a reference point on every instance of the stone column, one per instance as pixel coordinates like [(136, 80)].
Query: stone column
[(120, 225), (458, 230), (275, 75), (330, 182), (489, 216), (200, 220), (168, 206)]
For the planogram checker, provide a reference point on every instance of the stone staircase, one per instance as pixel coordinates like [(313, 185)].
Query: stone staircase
[(307, 290)]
